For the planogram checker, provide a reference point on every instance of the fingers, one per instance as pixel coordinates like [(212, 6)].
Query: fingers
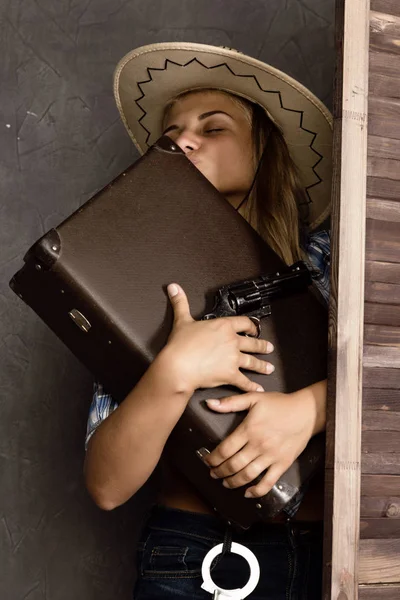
[(253, 469), (251, 363), (249, 473), (179, 302), (245, 384), (274, 472), (243, 325), (228, 451), (254, 345), (232, 403)]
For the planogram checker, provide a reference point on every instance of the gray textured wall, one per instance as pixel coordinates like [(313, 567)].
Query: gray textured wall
[(61, 141)]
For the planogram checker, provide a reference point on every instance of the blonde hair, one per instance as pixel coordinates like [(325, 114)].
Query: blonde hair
[(272, 207)]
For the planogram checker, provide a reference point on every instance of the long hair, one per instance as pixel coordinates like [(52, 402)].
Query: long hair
[(272, 206)]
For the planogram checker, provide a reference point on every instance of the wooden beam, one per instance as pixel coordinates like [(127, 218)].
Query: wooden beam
[(342, 501)]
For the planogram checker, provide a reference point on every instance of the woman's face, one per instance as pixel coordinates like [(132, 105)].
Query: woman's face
[(215, 134)]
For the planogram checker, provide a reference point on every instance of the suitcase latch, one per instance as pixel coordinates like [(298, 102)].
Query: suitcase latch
[(203, 453), (79, 320)]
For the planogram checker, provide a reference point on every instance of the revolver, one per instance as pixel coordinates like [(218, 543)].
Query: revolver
[(251, 297)]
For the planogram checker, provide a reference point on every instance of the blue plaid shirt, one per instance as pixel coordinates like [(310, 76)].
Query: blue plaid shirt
[(318, 253)]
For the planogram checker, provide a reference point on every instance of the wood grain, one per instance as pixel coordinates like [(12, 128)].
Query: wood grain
[(383, 63), (375, 463), (384, 117), (383, 147), (387, 357), (382, 271), (381, 335), (384, 167), (384, 32), (386, 442), (381, 507), (379, 592), (383, 528), (384, 126), (382, 293), (383, 240), (379, 399), (382, 314), (381, 378), (380, 420), (390, 7), (383, 210), (384, 85), (382, 108), (379, 561), (378, 187), (380, 485)]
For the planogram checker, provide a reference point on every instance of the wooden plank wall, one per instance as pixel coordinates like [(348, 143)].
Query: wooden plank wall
[(379, 559)]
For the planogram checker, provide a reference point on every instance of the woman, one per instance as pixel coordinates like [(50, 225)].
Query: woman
[(211, 103)]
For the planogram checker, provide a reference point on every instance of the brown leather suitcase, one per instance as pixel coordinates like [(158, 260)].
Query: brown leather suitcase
[(99, 282)]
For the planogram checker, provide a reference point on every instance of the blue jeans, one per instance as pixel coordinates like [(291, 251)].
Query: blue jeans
[(174, 543)]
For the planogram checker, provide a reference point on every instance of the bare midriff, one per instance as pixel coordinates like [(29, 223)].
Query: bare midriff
[(177, 492)]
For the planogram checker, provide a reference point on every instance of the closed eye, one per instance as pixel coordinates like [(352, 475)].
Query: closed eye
[(214, 129)]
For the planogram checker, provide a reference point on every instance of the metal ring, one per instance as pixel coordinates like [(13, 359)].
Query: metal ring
[(257, 323), (208, 584)]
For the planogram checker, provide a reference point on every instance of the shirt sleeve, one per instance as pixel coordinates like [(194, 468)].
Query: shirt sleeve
[(101, 407), (318, 250)]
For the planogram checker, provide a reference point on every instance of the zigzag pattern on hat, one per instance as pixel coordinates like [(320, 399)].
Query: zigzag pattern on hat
[(301, 113)]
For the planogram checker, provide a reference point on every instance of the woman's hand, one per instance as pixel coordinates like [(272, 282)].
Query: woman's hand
[(210, 353), (274, 433)]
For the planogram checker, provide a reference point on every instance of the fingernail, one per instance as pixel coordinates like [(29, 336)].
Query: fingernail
[(248, 494), (225, 483), (172, 290), (260, 389), (213, 475), (213, 402), (270, 347), (270, 368)]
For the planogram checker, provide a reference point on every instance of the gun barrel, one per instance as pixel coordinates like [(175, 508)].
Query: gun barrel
[(251, 295)]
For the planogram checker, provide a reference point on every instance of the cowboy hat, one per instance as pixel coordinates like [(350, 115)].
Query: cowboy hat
[(148, 78)]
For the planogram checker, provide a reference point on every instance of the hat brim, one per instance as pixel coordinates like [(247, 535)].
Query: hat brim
[(148, 78)]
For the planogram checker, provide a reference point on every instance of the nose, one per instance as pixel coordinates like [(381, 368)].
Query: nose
[(188, 141)]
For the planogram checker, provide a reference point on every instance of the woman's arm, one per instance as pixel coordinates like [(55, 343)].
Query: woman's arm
[(126, 447), (313, 399)]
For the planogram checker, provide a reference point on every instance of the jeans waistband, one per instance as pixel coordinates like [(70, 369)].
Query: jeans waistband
[(165, 518)]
